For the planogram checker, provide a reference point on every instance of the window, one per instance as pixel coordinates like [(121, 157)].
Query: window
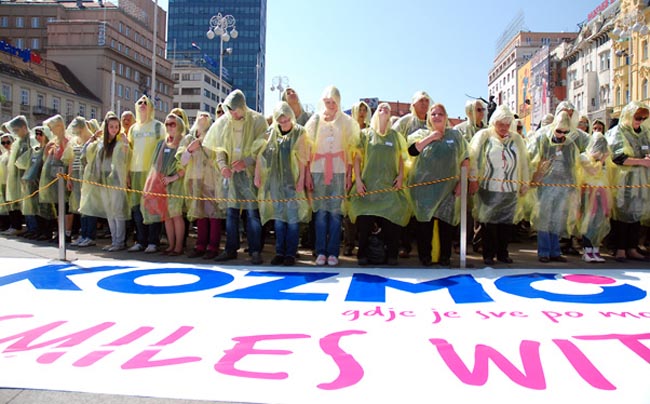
[(127, 93), (644, 89), (40, 100), (51, 19), (4, 22), (20, 22), (618, 96), (604, 61), (69, 107), (20, 43), (24, 96), (120, 89), (36, 43), (6, 91), (128, 72), (644, 50), (82, 110), (136, 76), (93, 113), (191, 91), (120, 69), (120, 27), (36, 22), (56, 104)]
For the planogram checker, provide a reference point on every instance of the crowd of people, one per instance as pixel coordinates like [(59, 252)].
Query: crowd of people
[(377, 180)]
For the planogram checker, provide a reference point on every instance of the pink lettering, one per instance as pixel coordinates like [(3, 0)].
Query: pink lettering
[(27, 337), (583, 365), (350, 371), (144, 358), (631, 341), (246, 346), (532, 377), (94, 357)]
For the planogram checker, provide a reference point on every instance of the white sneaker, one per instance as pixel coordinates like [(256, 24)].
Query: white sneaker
[(597, 256), (589, 257), (321, 260), (106, 247), (332, 261), (137, 247), (114, 248), (88, 242), (151, 248), (77, 241)]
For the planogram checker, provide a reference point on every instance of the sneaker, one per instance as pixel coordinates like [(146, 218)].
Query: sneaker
[(87, 243), (289, 261), (226, 256), (321, 260), (256, 258), (114, 248), (589, 257), (77, 241), (332, 261), (598, 257), (137, 247), (106, 247), (10, 232), (277, 260), (151, 248)]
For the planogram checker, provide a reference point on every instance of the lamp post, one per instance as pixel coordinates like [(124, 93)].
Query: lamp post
[(222, 26), (628, 24), (279, 83)]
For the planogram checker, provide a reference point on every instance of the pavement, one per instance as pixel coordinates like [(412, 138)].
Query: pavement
[(522, 253)]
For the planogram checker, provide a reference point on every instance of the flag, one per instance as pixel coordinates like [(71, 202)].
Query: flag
[(195, 46)]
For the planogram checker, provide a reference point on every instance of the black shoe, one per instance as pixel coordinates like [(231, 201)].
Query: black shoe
[(209, 254), (278, 260), (226, 256), (559, 258), (195, 253), (488, 261), (506, 260), (362, 261), (444, 262), (544, 259), (426, 262), (256, 258), (289, 261)]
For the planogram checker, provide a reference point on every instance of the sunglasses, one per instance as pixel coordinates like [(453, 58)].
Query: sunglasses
[(562, 132), (39, 134), (142, 102), (5, 142), (480, 109), (519, 127), (640, 119), (170, 124)]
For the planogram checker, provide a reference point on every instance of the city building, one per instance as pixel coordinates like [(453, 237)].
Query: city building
[(589, 66), (108, 47), (41, 89), (197, 89), (244, 64), (516, 47)]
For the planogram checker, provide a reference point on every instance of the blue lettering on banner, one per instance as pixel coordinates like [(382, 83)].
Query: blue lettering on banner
[(275, 290), (521, 285), (125, 282), (362, 287), (372, 288)]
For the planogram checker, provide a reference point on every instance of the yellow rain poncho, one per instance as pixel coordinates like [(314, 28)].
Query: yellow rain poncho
[(333, 146), (238, 140), (202, 177), (596, 203), (557, 200), (19, 156), (79, 133), (165, 163), (470, 127), (438, 160), (409, 123), (57, 158), (630, 204), (355, 114), (304, 116), (279, 164), (381, 155), (109, 168), (496, 161), (30, 180), (144, 135)]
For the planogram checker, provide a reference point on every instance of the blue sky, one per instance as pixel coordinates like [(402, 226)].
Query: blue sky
[(391, 49)]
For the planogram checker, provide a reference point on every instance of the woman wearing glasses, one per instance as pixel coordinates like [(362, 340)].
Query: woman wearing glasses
[(165, 177), (555, 212), (630, 146)]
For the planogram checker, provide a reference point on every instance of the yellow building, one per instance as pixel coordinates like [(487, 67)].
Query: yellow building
[(524, 96), (631, 57)]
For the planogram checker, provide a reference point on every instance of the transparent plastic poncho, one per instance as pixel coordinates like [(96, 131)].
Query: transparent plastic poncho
[(502, 166), (632, 198), (18, 161), (595, 203), (470, 127), (280, 160), (165, 163), (438, 160), (111, 171), (57, 158), (78, 132)]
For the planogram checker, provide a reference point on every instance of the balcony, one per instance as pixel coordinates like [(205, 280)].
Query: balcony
[(45, 111), (7, 105), (578, 83), (24, 109)]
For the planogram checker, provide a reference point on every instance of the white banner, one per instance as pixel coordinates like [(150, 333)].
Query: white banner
[(319, 335)]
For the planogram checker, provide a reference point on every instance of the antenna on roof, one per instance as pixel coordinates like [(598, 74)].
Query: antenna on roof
[(80, 4)]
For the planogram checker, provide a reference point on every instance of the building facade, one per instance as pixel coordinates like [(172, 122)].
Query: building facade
[(245, 65), (503, 77), (96, 39), (197, 89)]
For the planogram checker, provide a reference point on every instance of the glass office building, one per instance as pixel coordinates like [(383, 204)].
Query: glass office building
[(188, 22)]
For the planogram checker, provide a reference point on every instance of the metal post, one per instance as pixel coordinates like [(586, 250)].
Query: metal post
[(61, 211), (220, 67), (463, 217)]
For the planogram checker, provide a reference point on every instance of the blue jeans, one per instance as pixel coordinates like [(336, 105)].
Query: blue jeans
[(548, 244), (286, 238), (88, 227), (32, 223), (328, 233), (253, 230), (145, 233)]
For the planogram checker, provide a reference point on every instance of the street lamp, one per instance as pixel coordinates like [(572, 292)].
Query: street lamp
[(222, 26), (629, 23), (279, 83)]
